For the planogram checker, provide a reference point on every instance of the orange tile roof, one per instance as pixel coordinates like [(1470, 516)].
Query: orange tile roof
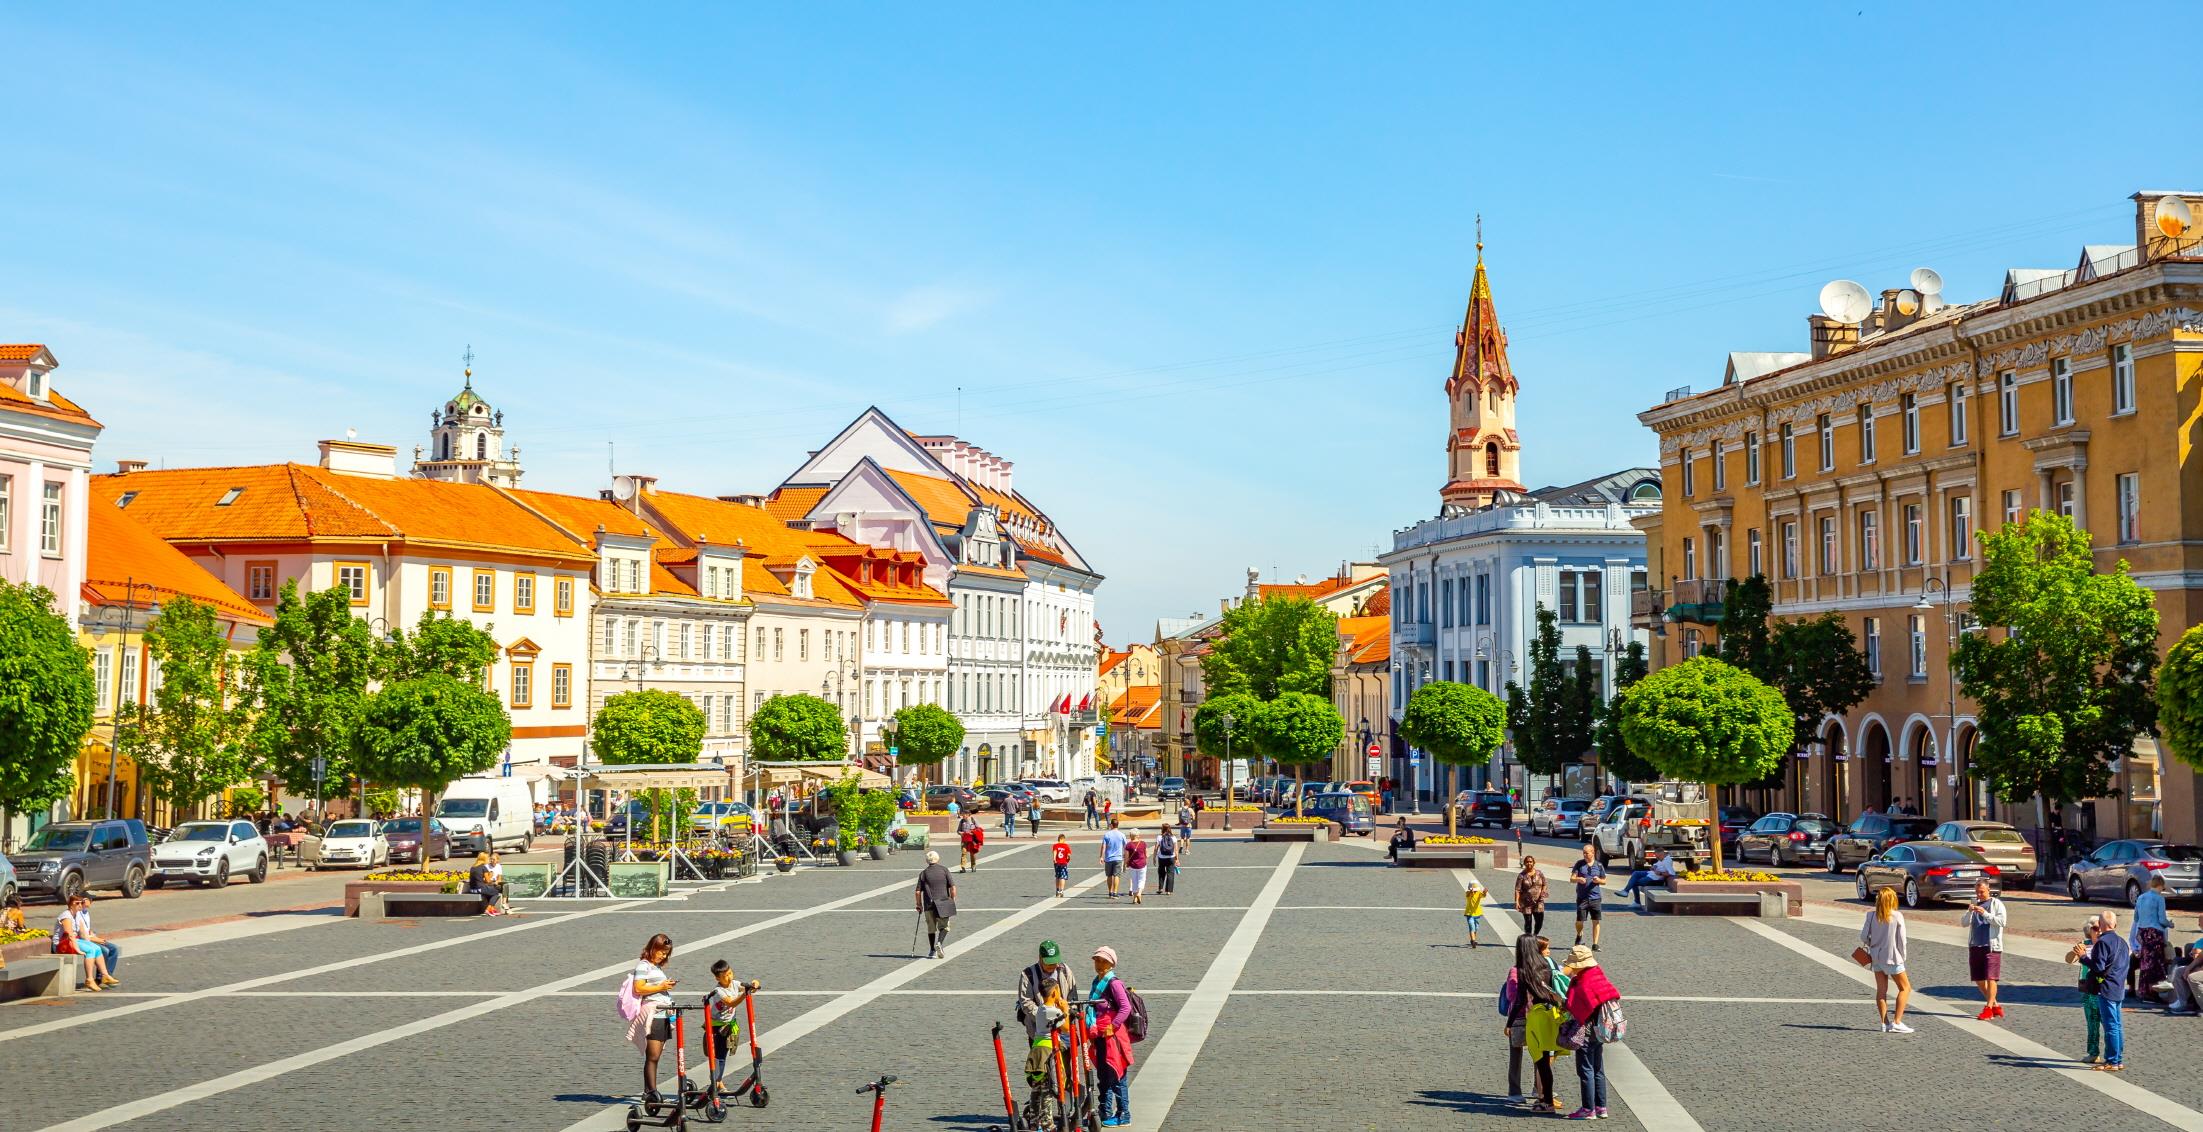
[(1379, 603), (20, 351), (792, 503), (1309, 590), (1368, 638), (125, 562), (990, 571), (55, 405), (1030, 549), (945, 502), (1111, 659), (664, 581), (581, 515), (1138, 706), (771, 544)]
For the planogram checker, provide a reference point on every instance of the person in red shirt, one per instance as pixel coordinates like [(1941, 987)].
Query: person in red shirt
[(1062, 853)]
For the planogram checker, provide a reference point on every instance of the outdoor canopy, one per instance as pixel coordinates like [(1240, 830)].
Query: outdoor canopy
[(652, 776), (780, 773)]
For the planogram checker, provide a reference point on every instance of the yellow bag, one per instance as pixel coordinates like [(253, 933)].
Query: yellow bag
[(1542, 1033)]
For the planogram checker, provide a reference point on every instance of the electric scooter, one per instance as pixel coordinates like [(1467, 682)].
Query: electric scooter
[(878, 1089), (754, 1085), (673, 1112)]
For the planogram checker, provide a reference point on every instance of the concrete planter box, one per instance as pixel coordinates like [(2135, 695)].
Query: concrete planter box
[(1296, 832), (942, 824), (354, 890), (1214, 819), (524, 880), (1792, 892), (634, 879), (1457, 857)]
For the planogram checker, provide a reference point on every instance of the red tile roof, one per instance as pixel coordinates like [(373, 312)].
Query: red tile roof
[(125, 562)]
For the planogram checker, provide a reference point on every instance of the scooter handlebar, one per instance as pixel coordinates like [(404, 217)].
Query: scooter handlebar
[(879, 1086)]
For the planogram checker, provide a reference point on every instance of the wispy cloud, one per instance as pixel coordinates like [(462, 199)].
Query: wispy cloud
[(923, 308)]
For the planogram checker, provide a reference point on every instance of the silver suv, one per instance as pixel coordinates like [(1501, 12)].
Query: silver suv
[(72, 857)]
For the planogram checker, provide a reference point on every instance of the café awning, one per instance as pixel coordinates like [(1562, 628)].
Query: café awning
[(652, 776)]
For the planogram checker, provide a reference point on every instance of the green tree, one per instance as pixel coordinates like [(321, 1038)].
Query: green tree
[(424, 732), (1298, 729), (1746, 641), (1615, 757), (46, 699), (306, 684), (2066, 684), (189, 743), (440, 643), (1459, 724), (1270, 647), (1552, 720), (1242, 739), (926, 734), (1705, 720), (798, 727), (2180, 698), (647, 726)]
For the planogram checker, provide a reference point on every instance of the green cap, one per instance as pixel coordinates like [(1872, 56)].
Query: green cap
[(1049, 951)]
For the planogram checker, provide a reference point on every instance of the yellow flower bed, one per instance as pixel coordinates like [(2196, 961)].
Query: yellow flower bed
[(1729, 876), (1238, 808), (7, 936), (1445, 839), (1300, 821), (413, 874), (930, 813), (1688, 821)]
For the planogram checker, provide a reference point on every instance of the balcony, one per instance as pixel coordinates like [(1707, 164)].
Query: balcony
[(1645, 608), (1697, 601), (1414, 634)]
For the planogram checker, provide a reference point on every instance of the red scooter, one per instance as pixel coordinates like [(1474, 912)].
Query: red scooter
[(878, 1089), (673, 1112), (754, 1085)]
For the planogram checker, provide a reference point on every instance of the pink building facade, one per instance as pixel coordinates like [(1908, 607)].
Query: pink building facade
[(45, 477)]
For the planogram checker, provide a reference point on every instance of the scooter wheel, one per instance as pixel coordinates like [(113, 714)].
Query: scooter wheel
[(757, 1097), (715, 1109), (634, 1120)]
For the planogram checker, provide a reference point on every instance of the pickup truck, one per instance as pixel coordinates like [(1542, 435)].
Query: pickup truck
[(1670, 821)]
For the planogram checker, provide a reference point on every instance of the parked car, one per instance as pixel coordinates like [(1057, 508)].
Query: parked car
[(347, 843), (2001, 844), (1927, 870), (1472, 808), (1734, 821), (1785, 839), (1367, 790), (1869, 834), (72, 857), (1351, 811), (488, 812), (634, 812), (939, 797), (1593, 814), (1556, 817), (991, 797), (1054, 791), (7, 880), (711, 817), (210, 853), (1172, 787), (404, 838), (2122, 869)]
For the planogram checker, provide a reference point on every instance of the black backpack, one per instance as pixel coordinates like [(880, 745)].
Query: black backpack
[(1136, 1025)]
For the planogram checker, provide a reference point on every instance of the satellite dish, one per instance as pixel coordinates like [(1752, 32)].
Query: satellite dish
[(623, 488), (1926, 281), (1846, 302), (351, 434), (1908, 302), (2174, 217)]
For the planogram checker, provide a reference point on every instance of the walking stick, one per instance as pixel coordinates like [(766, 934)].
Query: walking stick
[(915, 925)]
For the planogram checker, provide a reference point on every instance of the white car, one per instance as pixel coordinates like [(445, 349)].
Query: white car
[(1054, 791), (210, 852), (347, 843)]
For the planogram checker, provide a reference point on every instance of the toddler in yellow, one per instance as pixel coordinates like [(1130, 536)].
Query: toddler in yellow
[(1472, 908)]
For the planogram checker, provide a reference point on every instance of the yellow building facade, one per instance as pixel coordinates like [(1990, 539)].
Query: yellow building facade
[(1856, 476)]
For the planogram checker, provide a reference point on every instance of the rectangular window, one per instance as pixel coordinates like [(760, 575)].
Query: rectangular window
[(352, 578), (523, 684), (1690, 559), (1874, 646), (2007, 403), (260, 581), (760, 653), (2061, 391), (1866, 434), (1594, 596), (523, 593), (1962, 527), (1752, 553), (1483, 599), (803, 644), (1828, 545), (439, 587), (103, 682), (1915, 535), (1751, 458), (1690, 477), (634, 627), (129, 689), (611, 637), (1717, 553), (49, 520), (1788, 450), (1917, 627), (1908, 408), (562, 685), (727, 706), (1869, 542), (2065, 498), (562, 601), (704, 641), (1955, 400), (2122, 379), (732, 644), (485, 591), (1445, 603), (1826, 429), (2130, 507), (1790, 549), (657, 640), (683, 637), (7, 509), (779, 640), (2012, 506), (1720, 466)]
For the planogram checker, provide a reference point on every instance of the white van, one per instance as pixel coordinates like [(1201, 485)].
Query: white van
[(488, 813)]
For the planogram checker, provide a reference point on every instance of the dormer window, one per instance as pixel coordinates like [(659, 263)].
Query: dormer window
[(802, 582), (229, 497), (124, 500), (36, 385)]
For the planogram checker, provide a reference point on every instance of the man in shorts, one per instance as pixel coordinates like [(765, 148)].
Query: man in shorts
[(1112, 854), (1590, 878)]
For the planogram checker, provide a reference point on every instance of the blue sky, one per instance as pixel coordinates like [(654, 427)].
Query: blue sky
[(1194, 268)]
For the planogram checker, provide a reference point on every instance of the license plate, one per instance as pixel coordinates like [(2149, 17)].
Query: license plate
[(1966, 873)]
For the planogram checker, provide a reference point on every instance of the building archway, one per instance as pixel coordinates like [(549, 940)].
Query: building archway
[(1833, 772), (1919, 773), (1875, 758), (1971, 800)]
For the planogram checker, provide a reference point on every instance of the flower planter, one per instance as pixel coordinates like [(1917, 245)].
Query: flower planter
[(353, 890), (784, 864), (1298, 831), (1241, 819), (526, 879), (877, 851), (1456, 857), (941, 823), (1793, 893), (845, 857)]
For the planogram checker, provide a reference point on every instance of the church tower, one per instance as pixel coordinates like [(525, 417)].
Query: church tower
[(1483, 455), (468, 438)]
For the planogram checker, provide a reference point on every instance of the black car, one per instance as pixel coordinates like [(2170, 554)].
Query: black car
[(1484, 807), (992, 796), (1785, 839), (1734, 821), (1870, 834), (939, 797), (1172, 787)]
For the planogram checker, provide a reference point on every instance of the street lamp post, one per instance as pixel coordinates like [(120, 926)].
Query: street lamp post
[(1228, 721), (128, 617), (1484, 643), (1949, 740)]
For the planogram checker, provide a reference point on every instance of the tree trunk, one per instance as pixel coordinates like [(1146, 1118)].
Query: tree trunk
[(1451, 818), (1300, 786), (1713, 831)]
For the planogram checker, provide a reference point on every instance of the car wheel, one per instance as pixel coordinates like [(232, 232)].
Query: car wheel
[(259, 872), (221, 874), (2075, 889), (72, 886), (1912, 893), (7, 893), (1861, 886), (133, 884), (444, 854), (1834, 863), (2134, 893), (527, 843), (155, 881)]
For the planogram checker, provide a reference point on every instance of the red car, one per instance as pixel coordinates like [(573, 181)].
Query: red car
[(1367, 790), (404, 836)]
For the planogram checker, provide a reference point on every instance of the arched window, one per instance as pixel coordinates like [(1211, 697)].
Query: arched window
[(443, 446), (1491, 458), (481, 446)]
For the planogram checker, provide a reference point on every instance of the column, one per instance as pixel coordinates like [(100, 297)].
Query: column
[(2049, 496), (75, 540), (30, 497), (2080, 495)]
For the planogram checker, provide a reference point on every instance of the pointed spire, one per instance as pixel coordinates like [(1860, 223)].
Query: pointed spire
[(1480, 356)]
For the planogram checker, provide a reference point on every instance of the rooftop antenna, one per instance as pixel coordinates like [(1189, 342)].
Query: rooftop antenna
[(1846, 302), (2174, 217)]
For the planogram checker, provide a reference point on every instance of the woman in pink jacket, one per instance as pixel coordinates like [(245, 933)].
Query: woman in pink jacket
[(1588, 990), (1112, 1009)]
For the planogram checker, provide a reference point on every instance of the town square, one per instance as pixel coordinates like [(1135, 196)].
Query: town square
[(1041, 569)]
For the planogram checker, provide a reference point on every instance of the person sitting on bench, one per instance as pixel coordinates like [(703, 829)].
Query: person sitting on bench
[(1662, 868)]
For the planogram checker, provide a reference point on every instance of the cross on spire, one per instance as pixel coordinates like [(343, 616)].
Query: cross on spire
[(468, 357)]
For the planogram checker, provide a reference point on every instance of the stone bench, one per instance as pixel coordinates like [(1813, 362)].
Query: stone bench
[(1298, 831), (411, 905), (46, 976), (1455, 857), (1766, 905)]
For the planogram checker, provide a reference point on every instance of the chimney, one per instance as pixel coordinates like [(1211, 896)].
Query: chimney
[(1895, 300), (746, 500), (359, 458), (125, 467), (1830, 336)]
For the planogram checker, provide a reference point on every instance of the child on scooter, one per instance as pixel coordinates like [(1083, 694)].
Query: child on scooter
[(722, 1025), (1041, 1027)]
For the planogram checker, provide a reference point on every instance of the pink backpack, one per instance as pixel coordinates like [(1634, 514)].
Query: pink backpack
[(629, 1006)]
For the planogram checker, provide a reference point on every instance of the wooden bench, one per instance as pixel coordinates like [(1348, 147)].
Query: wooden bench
[(409, 905), (1766, 905), (45, 976)]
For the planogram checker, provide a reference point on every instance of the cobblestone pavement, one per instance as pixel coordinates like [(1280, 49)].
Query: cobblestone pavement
[(1290, 987)]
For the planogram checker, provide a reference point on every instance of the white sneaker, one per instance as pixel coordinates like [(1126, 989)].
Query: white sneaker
[(1885, 1026), (1899, 1028)]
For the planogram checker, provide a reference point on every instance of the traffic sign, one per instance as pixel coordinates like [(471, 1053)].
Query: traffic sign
[(894, 751), (1373, 752), (1415, 758), (1376, 767), (321, 767)]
